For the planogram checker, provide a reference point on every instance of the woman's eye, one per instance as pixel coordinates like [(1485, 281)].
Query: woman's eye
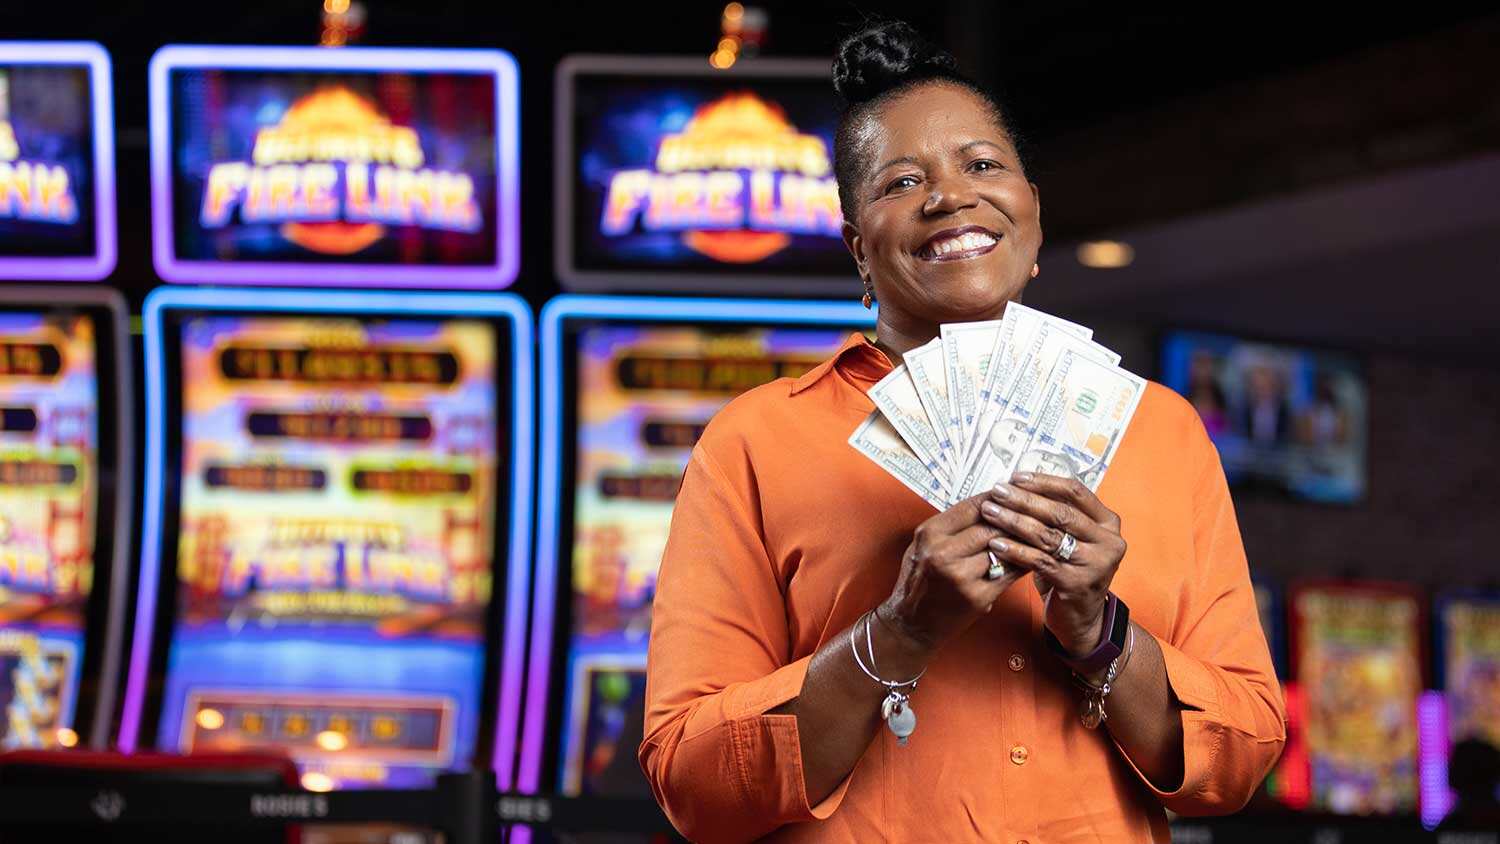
[(901, 183), (984, 165)]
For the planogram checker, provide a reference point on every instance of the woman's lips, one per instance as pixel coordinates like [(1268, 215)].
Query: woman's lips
[(959, 244)]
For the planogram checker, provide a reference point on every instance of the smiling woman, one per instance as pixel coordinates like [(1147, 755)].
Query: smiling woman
[(920, 142), (788, 550)]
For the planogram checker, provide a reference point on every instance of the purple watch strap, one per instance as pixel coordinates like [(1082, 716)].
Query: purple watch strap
[(1111, 642)]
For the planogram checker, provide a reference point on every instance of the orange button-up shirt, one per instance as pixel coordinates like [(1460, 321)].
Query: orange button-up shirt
[(783, 535)]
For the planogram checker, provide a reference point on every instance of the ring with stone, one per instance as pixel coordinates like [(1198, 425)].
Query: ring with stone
[(996, 569), (1066, 547)]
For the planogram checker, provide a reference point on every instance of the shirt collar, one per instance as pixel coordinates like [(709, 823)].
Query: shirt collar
[(857, 358)]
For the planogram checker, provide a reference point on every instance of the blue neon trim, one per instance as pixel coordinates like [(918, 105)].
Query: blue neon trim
[(549, 486), (270, 301)]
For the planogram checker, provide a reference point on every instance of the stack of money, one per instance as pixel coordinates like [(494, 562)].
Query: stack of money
[(1027, 393)]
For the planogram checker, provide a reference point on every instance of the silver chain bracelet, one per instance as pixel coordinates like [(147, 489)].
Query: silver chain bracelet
[(1093, 696), (896, 708)]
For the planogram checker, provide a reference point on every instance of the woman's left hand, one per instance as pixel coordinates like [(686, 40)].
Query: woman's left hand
[(1035, 511)]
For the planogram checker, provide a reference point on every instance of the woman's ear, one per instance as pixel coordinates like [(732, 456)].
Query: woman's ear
[(856, 246)]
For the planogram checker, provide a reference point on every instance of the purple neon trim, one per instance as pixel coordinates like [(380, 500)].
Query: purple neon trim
[(284, 273), (102, 262)]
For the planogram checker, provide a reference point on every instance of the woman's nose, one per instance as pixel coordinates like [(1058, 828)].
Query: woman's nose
[(950, 195)]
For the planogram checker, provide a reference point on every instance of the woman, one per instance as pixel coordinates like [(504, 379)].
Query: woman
[(789, 550)]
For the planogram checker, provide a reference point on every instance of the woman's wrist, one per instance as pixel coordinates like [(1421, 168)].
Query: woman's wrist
[(907, 646)]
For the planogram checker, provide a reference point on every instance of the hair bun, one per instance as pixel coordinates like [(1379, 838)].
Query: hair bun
[(883, 56)]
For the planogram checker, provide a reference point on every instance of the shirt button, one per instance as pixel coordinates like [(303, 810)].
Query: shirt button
[(1017, 662), (1019, 754)]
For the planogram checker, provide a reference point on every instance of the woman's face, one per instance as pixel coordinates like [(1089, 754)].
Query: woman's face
[(947, 227)]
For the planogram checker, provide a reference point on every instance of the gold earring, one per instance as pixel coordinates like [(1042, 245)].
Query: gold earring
[(869, 297), (1036, 270)]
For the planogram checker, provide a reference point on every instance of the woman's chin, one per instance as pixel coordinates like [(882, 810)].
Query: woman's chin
[(978, 300)]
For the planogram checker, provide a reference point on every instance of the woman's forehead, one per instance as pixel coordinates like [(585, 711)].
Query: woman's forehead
[(933, 119)]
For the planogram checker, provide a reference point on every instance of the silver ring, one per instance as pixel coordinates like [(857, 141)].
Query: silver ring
[(1066, 547), (996, 569)]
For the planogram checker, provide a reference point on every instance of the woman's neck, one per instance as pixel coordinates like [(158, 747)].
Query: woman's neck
[(896, 341)]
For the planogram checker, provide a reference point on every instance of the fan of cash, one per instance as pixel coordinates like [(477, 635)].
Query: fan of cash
[(1027, 393)]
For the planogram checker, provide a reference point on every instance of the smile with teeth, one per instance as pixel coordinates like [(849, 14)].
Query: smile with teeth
[(967, 245)]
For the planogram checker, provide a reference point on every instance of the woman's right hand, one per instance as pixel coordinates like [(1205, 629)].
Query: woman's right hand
[(942, 588)]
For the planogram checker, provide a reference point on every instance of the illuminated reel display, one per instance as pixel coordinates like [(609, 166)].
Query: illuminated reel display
[(349, 167), (674, 175), (634, 380), (57, 161), (1357, 657), (335, 513), (63, 468)]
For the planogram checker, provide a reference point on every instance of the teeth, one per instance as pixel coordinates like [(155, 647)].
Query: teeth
[(962, 243)]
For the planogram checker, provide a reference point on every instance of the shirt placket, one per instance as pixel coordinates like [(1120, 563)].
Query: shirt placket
[(1021, 782)]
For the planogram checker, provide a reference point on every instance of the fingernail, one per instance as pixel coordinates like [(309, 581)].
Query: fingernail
[(990, 508), (1002, 490), (1022, 477), (999, 545)]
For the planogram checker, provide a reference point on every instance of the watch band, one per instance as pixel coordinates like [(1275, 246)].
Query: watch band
[(1111, 644)]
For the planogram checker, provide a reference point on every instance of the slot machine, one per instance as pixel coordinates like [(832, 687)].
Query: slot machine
[(1468, 706), (1357, 658), (66, 477), (628, 384), (66, 404), (335, 541), (671, 177), (336, 549)]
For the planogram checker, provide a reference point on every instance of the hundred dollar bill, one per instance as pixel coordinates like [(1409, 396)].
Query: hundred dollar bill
[(996, 457), (877, 440), (929, 376), (897, 398), (966, 355), (1017, 331), (1085, 410)]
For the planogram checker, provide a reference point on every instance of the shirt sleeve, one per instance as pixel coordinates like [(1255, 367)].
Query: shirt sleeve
[(1218, 665), (719, 765)]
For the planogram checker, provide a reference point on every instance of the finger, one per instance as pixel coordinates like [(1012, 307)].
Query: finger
[(974, 539), (1069, 490), (1049, 511), (1031, 530), (956, 518)]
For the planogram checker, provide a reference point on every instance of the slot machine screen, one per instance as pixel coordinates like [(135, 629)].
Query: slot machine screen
[(1357, 655), (673, 175), (1286, 419), (57, 191), (48, 506), (334, 536), (63, 534), (638, 392), (1469, 628), (350, 167)]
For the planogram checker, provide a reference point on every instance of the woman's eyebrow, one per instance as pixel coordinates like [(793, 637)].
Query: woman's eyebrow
[(978, 143), (905, 159)]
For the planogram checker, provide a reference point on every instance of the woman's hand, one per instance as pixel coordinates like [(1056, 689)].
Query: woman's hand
[(942, 588), (1033, 511)]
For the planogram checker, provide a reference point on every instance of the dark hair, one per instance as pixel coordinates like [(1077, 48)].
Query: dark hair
[(872, 66)]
